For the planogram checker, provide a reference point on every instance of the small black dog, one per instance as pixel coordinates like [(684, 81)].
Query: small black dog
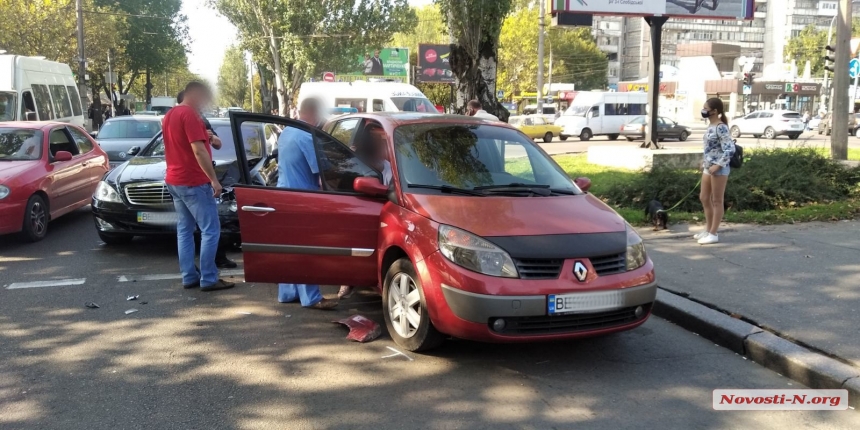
[(657, 214)]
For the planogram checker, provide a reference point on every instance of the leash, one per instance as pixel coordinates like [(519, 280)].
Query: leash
[(683, 198)]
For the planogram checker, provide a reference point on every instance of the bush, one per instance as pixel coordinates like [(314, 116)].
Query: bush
[(770, 179)]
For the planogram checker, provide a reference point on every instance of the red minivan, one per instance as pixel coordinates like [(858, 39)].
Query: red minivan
[(480, 235)]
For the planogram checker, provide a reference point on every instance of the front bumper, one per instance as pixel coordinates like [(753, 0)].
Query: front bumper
[(117, 218), (11, 215)]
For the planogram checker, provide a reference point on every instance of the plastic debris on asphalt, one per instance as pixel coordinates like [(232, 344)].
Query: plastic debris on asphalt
[(243, 313), (130, 298), (396, 353), (130, 311), (92, 305), (361, 329)]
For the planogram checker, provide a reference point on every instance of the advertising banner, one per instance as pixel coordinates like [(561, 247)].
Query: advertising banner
[(433, 65), (692, 9), (387, 62)]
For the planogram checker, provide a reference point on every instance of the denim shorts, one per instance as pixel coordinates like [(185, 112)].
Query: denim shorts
[(724, 171)]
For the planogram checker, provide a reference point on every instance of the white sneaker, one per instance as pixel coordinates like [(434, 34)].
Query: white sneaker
[(709, 239), (700, 235)]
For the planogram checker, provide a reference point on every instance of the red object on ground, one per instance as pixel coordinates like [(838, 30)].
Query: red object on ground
[(361, 329)]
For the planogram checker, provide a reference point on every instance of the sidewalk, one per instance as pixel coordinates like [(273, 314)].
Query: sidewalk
[(800, 281)]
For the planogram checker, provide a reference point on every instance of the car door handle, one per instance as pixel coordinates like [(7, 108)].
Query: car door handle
[(257, 209)]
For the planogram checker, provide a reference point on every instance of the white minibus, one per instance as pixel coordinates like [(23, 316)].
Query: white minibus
[(367, 96), (601, 113), (35, 89)]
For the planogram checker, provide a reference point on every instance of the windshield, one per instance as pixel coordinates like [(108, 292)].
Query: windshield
[(20, 144), (8, 106), (129, 129), (469, 156), (413, 104), (577, 110), (251, 131)]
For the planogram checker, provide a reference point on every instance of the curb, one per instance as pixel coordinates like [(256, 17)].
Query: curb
[(808, 367)]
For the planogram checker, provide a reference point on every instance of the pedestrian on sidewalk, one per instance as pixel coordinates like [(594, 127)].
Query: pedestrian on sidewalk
[(718, 151), (192, 183), (298, 169)]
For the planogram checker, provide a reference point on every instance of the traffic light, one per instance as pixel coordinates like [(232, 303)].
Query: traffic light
[(829, 58), (748, 78)]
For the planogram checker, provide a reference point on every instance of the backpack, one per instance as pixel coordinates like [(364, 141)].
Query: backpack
[(737, 159)]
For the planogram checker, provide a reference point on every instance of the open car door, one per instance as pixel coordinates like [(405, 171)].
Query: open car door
[(326, 235)]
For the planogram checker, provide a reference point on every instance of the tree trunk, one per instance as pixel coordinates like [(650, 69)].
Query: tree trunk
[(475, 78)]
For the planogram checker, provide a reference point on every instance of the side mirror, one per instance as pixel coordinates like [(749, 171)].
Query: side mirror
[(62, 156), (134, 150), (583, 183), (370, 186), (31, 116)]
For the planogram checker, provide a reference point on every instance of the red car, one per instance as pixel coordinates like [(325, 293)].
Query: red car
[(480, 235), (46, 170)]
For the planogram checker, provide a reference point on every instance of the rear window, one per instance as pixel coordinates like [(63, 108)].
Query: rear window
[(129, 129), (791, 115)]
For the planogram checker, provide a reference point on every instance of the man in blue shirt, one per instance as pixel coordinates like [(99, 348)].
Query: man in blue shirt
[(298, 169)]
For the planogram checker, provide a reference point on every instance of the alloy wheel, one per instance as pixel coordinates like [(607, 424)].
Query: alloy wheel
[(38, 219), (404, 305)]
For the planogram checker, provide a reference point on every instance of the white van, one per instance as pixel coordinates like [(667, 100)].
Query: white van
[(35, 89), (366, 96), (601, 113)]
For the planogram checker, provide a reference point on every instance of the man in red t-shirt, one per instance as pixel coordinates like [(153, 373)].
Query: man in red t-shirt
[(193, 185)]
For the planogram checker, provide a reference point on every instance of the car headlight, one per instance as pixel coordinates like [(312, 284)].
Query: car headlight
[(4, 192), (106, 193), (636, 257), (476, 254)]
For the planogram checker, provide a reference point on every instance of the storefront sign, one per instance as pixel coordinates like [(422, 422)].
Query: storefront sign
[(794, 88), (738, 9), (627, 87)]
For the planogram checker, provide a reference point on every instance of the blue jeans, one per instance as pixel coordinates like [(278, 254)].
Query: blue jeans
[(196, 207), (724, 171), (309, 295)]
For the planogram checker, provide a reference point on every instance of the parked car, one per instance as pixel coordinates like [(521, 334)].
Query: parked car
[(132, 200), (666, 129), (825, 126), (768, 123), (480, 234), (119, 134), (536, 127), (549, 112), (47, 169), (813, 123)]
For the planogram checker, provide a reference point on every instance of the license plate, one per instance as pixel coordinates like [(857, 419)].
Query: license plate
[(796, 125), (157, 218), (584, 302)]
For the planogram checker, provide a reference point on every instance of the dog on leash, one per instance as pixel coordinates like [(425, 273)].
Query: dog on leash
[(657, 215)]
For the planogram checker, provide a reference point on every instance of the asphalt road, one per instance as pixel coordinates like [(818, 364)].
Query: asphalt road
[(238, 360)]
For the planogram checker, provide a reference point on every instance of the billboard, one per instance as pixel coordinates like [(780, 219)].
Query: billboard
[(692, 9), (433, 65), (387, 62)]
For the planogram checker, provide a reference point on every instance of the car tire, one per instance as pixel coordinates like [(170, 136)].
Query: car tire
[(613, 136), (630, 139), (857, 132), (827, 131), (400, 282), (756, 136), (586, 135), (683, 136), (735, 132), (769, 133), (115, 239), (547, 138), (563, 136), (793, 136), (36, 216)]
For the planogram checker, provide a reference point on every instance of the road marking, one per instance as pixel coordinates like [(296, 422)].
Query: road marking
[(170, 276), (43, 284)]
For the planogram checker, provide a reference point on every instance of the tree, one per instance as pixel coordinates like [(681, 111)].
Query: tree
[(808, 46), (297, 39), (476, 25), (431, 28), (233, 78)]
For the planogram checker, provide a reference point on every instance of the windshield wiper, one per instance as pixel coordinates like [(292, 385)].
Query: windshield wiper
[(539, 189), (511, 185), (448, 189)]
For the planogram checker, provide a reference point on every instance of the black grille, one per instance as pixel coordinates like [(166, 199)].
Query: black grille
[(571, 323), (609, 264), (539, 268), (148, 194)]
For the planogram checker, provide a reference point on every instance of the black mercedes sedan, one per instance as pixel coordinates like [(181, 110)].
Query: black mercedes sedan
[(132, 199)]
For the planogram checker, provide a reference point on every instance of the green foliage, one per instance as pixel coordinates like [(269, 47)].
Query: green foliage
[(430, 28), (808, 46), (233, 78)]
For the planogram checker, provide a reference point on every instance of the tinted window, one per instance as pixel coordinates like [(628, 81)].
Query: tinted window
[(129, 129), (43, 102), (343, 130), (84, 143), (636, 109), (549, 110), (20, 144), (765, 115), (793, 115), (75, 99), (339, 166), (413, 104), (62, 106)]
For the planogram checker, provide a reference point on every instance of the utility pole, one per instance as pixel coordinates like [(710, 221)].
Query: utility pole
[(839, 135), (82, 59), (542, 30), (252, 86)]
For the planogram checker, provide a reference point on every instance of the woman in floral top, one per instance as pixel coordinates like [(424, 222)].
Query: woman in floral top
[(719, 148)]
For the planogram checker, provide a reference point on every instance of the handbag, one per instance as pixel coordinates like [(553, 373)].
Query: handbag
[(737, 159)]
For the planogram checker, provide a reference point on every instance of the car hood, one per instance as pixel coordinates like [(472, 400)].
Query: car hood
[(10, 169), (519, 216), (145, 169)]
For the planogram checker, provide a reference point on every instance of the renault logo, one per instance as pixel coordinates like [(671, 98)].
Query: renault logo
[(580, 271)]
